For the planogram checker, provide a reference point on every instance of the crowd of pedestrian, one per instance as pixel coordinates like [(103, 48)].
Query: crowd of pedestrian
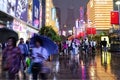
[(25, 58), (19, 60), (81, 50)]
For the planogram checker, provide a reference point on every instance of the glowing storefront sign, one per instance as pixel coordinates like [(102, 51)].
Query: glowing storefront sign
[(18, 26)]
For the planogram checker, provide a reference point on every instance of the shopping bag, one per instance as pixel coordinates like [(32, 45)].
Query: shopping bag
[(28, 61), (46, 67)]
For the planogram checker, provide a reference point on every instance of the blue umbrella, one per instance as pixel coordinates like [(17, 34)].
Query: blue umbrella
[(48, 44)]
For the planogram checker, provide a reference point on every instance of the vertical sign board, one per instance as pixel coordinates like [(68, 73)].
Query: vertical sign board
[(115, 17), (21, 9), (81, 13), (36, 14)]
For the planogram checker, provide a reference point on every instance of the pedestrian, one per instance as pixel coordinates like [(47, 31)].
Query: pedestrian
[(75, 51), (39, 55), (24, 52), (65, 46), (23, 48), (104, 45), (28, 46), (11, 57)]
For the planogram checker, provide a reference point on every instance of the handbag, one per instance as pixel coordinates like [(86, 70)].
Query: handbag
[(46, 67)]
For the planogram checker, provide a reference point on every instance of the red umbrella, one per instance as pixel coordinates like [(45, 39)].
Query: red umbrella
[(81, 34)]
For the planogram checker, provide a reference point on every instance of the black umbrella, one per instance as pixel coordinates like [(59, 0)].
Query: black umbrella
[(5, 33)]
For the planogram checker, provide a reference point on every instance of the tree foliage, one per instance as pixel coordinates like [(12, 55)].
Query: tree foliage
[(49, 32)]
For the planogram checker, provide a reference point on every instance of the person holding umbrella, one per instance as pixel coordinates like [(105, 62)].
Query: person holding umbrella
[(39, 55), (43, 47)]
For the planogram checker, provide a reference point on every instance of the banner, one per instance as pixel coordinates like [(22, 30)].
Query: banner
[(21, 9), (114, 17), (91, 30), (36, 14)]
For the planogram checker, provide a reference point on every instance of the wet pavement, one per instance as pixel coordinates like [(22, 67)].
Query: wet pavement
[(105, 66)]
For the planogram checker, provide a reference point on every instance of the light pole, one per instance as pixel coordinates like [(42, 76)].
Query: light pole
[(118, 4)]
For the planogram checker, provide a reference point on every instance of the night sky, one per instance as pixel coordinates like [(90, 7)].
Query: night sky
[(64, 5)]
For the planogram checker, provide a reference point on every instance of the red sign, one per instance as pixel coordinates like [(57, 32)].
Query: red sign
[(114, 17), (91, 30)]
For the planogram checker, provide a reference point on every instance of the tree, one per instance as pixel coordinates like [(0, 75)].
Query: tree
[(49, 32)]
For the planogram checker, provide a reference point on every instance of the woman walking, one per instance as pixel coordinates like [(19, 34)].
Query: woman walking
[(39, 55)]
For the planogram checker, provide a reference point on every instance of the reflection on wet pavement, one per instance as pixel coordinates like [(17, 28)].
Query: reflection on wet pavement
[(105, 66)]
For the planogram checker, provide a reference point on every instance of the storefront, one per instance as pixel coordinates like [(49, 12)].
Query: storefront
[(31, 31), (115, 40), (20, 15), (20, 28)]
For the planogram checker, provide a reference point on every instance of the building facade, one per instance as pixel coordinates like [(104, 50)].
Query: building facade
[(51, 16), (98, 13), (22, 16)]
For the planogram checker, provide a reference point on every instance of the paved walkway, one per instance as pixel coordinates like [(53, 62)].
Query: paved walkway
[(106, 66)]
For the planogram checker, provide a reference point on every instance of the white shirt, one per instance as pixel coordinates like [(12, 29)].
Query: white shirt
[(69, 43), (93, 43), (76, 48), (42, 51)]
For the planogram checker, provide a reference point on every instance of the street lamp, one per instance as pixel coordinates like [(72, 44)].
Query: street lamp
[(118, 3)]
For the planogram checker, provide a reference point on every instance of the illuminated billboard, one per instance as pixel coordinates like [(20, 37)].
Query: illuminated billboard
[(36, 14), (21, 9), (98, 12), (8, 6)]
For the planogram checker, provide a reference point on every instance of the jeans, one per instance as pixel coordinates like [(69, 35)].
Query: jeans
[(11, 76)]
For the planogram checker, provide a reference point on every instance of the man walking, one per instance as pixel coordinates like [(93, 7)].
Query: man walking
[(24, 52), (23, 48)]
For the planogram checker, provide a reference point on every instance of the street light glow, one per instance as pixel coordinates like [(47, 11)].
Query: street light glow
[(117, 3)]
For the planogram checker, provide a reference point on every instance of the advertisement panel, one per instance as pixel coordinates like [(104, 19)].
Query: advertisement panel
[(8, 6), (3, 6), (36, 14), (21, 9), (11, 5)]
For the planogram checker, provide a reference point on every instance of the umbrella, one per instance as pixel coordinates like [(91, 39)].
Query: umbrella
[(77, 41), (48, 44), (5, 33)]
